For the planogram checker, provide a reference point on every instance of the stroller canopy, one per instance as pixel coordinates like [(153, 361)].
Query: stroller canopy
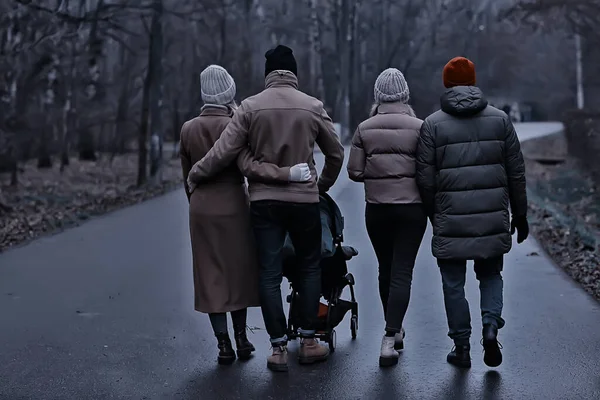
[(332, 227)]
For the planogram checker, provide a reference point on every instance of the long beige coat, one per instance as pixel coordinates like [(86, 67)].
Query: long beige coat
[(224, 259)]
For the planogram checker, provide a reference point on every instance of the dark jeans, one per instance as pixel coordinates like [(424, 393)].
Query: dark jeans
[(489, 275), (396, 232), (271, 220), (219, 321)]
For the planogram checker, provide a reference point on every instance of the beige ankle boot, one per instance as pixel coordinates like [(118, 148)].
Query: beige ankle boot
[(311, 352), (399, 340), (388, 356), (278, 361)]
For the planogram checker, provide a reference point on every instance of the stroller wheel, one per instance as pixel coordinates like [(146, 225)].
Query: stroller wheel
[(331, 340), (350, 279), (354, 326)]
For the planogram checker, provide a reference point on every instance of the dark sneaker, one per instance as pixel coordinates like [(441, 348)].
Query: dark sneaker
[(243, 346), (492, 356), (460, 356), (278, 361), (226, 353), (311, 352)]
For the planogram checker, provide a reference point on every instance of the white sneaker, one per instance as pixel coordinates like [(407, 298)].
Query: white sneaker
[(388, 356), (399, 340)]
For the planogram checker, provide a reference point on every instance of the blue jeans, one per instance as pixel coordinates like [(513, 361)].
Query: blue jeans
[(491, 285), (271, 221)]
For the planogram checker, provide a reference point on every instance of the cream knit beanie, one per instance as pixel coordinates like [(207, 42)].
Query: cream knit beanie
[(216, 85), (391, 86)]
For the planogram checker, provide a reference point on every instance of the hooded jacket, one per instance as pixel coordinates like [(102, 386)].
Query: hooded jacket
[(470, 171)]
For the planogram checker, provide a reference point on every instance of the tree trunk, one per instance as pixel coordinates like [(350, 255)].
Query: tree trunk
[(66, 129), (176, 126), (343, 101), (316, 70), (13, 159), (67, 115), (352, 119), (87, 146), (143, 133), (156, 92), (223, 32), (48, 97), (44, 160), (121, 119)]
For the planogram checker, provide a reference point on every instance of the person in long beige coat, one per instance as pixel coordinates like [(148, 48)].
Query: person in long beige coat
[(223, 249)]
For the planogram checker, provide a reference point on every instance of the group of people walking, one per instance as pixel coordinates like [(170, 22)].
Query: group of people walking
[(461, 168)]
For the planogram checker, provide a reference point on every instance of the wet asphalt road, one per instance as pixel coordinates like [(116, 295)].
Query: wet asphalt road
[(105, 311)]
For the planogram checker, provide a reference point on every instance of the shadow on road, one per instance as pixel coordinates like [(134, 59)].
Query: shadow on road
[(492, 381), (455, 387)]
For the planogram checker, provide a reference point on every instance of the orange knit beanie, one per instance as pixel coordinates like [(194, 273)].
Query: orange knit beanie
[(459, 72)]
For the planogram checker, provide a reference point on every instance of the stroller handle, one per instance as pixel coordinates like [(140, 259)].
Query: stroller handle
[(349, 252)]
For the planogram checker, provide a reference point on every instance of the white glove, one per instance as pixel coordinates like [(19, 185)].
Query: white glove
[(300, 173), (191, 187), (191, 184)]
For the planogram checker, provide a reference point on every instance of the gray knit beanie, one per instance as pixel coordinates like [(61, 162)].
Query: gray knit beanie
[(216, 85), (390, 87)]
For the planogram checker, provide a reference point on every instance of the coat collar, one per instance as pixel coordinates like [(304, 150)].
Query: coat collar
[(281, 78), (395, 108), (215, 110)]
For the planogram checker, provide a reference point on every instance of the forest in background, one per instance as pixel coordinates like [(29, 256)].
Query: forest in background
[(80, 78)]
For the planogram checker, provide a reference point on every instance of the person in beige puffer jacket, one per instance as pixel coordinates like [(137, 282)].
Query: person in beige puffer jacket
[(383, 157)]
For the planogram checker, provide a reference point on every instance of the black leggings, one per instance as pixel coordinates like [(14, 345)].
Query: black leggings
[(219, 321), (396, 232)]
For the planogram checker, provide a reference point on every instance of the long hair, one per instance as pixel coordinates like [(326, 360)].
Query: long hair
[(232, 106)]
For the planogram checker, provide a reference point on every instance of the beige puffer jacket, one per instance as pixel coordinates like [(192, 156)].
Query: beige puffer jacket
[(383, 155)]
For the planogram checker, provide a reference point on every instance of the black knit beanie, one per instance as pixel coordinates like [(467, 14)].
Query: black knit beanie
[(280, 58)]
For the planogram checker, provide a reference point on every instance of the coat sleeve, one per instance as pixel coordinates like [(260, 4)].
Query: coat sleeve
[(515, 170), (186, 162), (229, 145), (261, 171), (426, 167), (332, 149), (357, 159)]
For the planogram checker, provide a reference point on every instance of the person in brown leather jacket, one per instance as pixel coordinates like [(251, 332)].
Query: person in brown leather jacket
[(383, 157), (280, 126)]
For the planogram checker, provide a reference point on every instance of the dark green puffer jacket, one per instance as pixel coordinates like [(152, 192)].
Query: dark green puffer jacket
[(470, 169)]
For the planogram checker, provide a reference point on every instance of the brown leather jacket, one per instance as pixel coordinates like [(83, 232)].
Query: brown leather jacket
[(280, 126), (383, 155), (198, 136)]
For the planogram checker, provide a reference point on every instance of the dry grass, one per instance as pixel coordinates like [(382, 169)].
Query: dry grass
[(565, 210), (47, 200)]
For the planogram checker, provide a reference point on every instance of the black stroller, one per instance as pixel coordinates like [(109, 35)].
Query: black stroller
[(334, 277)]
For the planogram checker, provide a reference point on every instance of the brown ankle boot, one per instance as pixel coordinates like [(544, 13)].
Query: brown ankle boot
[(226, 353), (243, 346), (278, 361), (311, 352)]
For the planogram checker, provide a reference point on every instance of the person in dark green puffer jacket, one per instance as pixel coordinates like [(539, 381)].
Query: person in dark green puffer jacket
[(471, 175)]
